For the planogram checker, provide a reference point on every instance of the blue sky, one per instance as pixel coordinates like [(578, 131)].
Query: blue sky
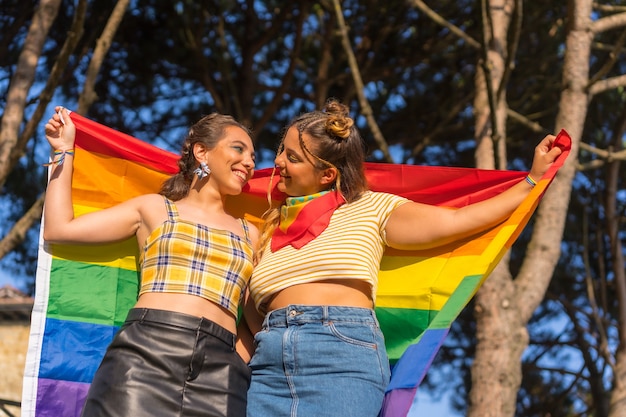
[(428, 407), (9, 279)]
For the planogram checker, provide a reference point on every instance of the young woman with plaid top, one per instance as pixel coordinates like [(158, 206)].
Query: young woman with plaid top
[(176, 352)]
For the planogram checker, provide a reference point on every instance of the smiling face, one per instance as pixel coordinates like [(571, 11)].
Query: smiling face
[(231, 161), (298, 174)]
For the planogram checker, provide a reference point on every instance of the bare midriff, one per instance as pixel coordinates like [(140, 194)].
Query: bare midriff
[(188, 304), (331, 292)]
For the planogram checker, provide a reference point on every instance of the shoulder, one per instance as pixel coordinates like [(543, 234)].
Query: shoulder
[(377, 198), (148, 205), (150, 200), (375, 204), (144, 201)]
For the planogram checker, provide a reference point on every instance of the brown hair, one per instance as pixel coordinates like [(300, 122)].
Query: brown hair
[(335, 142), (207, 131)]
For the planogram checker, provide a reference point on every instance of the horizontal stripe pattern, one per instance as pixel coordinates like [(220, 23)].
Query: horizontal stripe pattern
[(72, 350), (83, 292), (57, 398), (101, 181), (351, 247), (91, 293)]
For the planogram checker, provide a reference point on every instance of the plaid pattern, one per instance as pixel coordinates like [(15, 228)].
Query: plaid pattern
[(190, 258)]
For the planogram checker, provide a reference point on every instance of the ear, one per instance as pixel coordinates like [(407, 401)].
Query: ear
[(199, 151), (329, 176)]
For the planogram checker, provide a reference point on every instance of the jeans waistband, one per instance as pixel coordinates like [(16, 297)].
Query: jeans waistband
[(185, 321), (293, 315)]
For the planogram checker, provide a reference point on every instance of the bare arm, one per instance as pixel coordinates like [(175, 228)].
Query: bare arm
[(245, 332), (250, 323), (60, 225), (253, 318), (245, 341), (422, 226)]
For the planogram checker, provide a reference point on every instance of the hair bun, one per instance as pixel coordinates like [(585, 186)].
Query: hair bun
[(339, 122)]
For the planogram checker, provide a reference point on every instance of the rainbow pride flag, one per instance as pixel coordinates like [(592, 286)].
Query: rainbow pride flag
[(83, 292)]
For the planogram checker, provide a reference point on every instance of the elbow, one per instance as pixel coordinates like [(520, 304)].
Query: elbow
[(46, 234), (48, 237), (51, 236)]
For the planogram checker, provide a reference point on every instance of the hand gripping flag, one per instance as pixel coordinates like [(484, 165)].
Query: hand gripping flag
[(83, 292)]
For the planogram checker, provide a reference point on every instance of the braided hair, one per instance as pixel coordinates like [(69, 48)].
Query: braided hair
[(207, 131)]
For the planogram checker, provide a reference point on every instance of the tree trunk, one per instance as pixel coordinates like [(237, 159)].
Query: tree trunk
[(504, 307), (496, 375), (21, 82), (501, 340)]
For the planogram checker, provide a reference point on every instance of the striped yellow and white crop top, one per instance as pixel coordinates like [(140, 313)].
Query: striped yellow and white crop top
[(351, 247), (189, 258)]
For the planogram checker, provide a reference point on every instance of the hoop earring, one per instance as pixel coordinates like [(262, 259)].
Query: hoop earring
[(202, 171)]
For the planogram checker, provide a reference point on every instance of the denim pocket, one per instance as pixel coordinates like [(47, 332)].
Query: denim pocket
[(355, 334)]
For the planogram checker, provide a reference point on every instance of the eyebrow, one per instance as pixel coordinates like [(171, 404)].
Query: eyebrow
[(293, 151), (239, 142), (302, 155), (244, 145)]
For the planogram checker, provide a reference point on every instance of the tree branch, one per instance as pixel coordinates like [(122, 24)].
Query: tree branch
[(595, 310), (18, 232), (525, 121), (608, 8), (73, 36), (607, 23), (610, 63), (453, 111), (607, 84), (443, 22), (366, 110), (272, 107), (608, 155), (103, 44)]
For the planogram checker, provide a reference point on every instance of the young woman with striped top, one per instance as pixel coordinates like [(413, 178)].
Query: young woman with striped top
[(318, 349), (175, 354)]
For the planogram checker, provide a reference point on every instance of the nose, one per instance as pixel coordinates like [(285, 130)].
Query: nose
[(278, 160), (249, 162)]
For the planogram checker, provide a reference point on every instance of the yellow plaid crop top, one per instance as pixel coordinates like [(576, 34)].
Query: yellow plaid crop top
[(189, 258)]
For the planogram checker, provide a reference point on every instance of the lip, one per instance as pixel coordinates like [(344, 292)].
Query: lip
[(246, 175)]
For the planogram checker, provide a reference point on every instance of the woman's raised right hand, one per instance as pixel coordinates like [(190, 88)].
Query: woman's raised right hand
[(60, 130)]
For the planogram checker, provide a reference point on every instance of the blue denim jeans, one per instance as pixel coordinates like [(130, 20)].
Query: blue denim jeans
[(318, 361)]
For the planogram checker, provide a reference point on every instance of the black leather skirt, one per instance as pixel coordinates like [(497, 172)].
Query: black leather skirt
[(168, 364)]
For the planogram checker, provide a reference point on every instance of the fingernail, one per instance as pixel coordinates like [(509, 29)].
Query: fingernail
[(61, 116)]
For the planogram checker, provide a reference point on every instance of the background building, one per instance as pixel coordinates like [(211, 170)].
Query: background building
[(15, 310)]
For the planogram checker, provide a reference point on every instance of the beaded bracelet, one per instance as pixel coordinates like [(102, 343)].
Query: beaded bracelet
[(61, 159), (530, 180)]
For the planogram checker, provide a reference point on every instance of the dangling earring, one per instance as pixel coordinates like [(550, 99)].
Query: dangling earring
[(202, 171)]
